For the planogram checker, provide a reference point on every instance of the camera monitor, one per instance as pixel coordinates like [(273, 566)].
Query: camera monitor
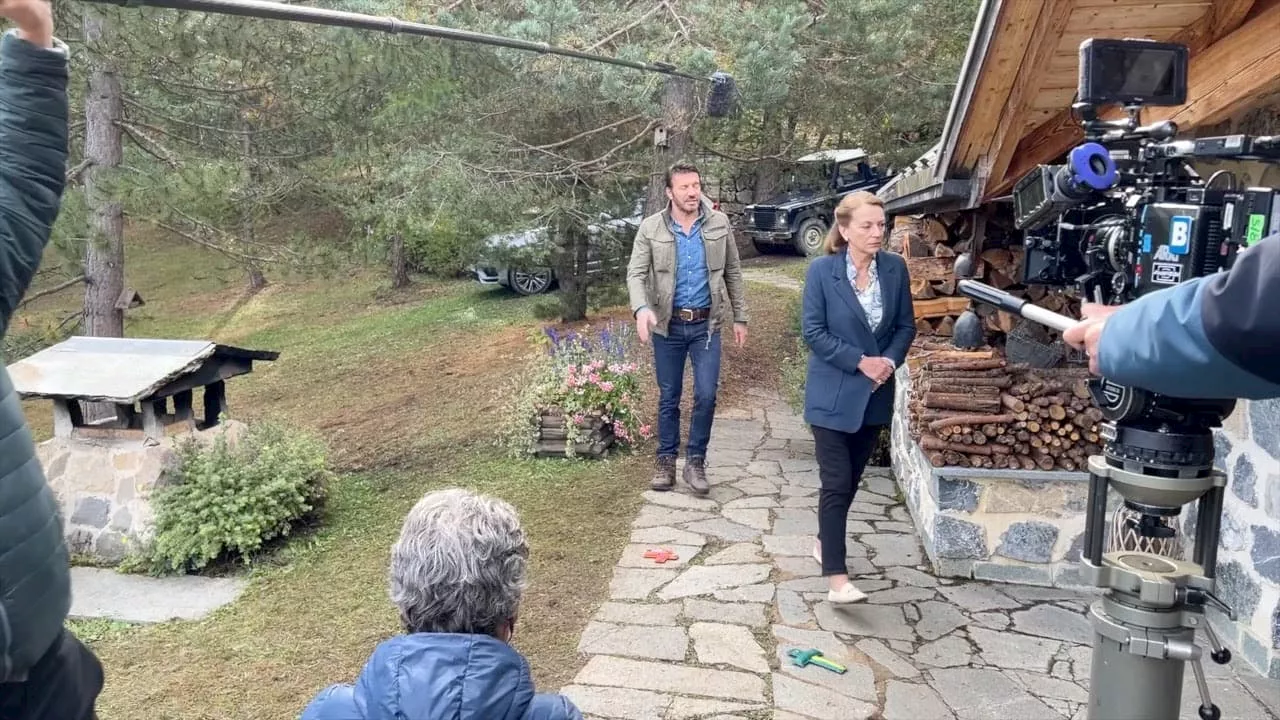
[(1132, 72)]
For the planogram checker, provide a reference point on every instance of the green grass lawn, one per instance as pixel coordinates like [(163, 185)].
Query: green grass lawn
[(408, 389)]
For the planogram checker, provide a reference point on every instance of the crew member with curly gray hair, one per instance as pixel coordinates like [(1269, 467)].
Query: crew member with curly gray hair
[(458, 573)]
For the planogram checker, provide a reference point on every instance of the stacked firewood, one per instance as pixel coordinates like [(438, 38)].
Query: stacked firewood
[(930, 245), (972, 409)]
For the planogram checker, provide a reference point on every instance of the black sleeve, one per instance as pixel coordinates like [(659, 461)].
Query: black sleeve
[(33, 160)]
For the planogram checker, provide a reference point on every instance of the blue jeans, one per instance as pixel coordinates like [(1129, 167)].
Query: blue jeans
[(691, 340)]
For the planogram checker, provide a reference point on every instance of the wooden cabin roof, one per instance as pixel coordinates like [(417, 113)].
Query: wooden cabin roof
[(1011, 106), (127, 370)]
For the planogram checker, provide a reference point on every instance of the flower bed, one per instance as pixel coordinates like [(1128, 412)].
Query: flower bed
[(582, 398)]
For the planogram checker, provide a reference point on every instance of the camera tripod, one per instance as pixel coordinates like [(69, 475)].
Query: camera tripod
[(1158, 456)]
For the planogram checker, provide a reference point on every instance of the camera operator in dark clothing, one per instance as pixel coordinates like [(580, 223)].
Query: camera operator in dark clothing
[(45, 672), (1216, 336)]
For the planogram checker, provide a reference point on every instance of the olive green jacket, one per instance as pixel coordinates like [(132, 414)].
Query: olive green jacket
[(651, 275), (35, 582)]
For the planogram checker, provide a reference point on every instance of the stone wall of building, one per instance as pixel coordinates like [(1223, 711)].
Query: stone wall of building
[(104, 487), (1248, 450), (1027, 527), (1004, 525)]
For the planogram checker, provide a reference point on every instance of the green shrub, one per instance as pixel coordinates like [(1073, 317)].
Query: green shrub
[(231, 499)]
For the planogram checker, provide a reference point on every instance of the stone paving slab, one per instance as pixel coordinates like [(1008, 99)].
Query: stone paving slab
[(99, 593), (708, 636)]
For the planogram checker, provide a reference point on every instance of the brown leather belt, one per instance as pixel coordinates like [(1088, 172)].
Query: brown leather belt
[(691, 315)]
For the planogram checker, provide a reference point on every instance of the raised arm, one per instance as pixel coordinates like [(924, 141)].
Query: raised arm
[(33, 152), (1216, 336)]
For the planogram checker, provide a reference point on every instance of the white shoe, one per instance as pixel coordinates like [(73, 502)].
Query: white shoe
[(846, 595)]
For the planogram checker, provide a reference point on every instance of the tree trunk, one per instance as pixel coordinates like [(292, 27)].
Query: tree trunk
[(104, 256), (679, 104), (399, 268), (248, 222), (571, 271), (768, 172)]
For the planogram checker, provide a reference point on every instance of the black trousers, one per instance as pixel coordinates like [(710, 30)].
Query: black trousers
[(63, 685), (841, 459)]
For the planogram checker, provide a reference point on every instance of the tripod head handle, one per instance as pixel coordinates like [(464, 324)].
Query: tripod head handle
[(1014, 305)]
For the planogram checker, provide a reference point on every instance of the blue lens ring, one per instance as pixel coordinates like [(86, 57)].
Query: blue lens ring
[(1081, 161)]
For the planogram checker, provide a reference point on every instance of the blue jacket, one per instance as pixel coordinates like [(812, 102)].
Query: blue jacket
[(1212, 337), (837, 395), (438, 676)]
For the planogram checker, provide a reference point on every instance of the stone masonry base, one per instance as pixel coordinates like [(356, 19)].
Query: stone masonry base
[(104, 486), (1027, 527), (1004, 525)]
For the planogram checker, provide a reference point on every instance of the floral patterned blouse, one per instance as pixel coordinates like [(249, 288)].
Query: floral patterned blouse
[(871, 299)]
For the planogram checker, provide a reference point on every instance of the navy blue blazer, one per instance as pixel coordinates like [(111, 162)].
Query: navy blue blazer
[(837, 395)]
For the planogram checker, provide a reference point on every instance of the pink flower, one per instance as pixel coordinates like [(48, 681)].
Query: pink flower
[(645, 431), (606, 386)]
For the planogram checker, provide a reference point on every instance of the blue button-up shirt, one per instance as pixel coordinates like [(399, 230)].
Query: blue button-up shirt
[(693, 289), (871, 300)]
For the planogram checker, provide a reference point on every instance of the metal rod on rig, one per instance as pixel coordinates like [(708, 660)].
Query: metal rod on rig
[(321, 16)]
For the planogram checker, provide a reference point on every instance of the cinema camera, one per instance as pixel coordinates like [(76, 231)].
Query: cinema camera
[(1124, 216)]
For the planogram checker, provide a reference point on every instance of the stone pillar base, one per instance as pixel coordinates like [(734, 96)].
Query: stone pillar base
[(104, 486)]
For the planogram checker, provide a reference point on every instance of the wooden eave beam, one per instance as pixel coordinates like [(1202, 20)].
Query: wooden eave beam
[(1050, 26), (1220, 81), (1056, 135), (997, 73)]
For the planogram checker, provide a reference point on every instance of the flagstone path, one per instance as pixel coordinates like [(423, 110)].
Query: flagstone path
[(706, 635)]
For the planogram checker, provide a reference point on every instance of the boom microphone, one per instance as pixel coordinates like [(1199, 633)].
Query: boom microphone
[(721, 100)]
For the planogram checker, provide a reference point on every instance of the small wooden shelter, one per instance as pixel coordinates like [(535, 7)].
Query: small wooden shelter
[(138, 377), (1012, 105), (1011, 111)]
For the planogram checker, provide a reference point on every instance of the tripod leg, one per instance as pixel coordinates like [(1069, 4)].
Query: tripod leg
[(1208, 711), (1126, 686)]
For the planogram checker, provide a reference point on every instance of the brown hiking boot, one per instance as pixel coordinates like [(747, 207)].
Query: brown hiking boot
[(664, 476), (696, 476)]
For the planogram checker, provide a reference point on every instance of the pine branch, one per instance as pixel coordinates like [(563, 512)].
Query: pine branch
[(684, 30), (50, 291), (159, 153), (586, 133), (243, 257), (74, 173), (637, 138), (203, 88), (785, 154), (628, 26), (199, 126)]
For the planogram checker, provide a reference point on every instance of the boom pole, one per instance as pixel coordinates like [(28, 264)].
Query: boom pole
[(321, 16)]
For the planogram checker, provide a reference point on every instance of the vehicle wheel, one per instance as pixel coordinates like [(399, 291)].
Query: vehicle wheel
[(531, 282), (810, 237)]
